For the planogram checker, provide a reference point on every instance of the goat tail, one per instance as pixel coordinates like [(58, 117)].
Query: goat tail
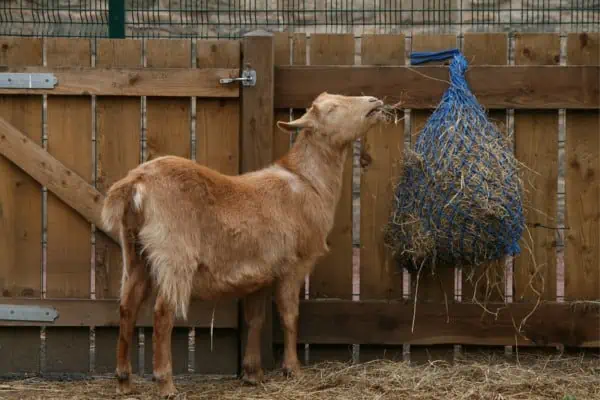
[(115, 204)]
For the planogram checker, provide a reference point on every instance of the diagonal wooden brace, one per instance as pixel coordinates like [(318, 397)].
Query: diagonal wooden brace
[(49, 172)]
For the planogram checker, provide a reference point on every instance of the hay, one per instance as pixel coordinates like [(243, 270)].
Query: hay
[(482, 201), (534, 378), (459, 200)]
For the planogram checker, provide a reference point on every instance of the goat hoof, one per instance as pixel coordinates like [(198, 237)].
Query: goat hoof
[(124, 388), (253, 378), (169, 392), (292, 372), (123, 383)]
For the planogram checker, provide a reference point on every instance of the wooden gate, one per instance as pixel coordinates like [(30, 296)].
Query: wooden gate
[(116, 103)]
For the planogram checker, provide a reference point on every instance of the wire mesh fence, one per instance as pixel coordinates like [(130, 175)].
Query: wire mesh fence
[(232, 18)]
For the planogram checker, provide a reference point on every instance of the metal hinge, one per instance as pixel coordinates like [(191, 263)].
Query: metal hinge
[(27, 313), (248, 78), (10, 80)]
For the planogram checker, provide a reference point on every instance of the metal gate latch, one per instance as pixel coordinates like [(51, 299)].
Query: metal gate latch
[(10, 80), (27, 313), (248, 78)]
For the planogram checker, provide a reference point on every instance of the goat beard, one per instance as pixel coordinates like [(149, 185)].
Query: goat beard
[(365, 158)]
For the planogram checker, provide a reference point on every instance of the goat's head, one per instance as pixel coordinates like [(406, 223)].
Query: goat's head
[(337, 119)]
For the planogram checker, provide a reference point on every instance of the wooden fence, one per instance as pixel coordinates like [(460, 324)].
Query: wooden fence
[(119, 102)]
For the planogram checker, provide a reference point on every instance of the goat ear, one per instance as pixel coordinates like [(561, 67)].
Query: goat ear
[(291, 126)]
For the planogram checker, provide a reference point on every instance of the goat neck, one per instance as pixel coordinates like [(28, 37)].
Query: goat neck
[(318, 163)]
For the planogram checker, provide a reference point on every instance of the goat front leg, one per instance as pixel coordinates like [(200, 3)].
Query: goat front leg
[(135, 289), (287, 298), (254, 314), (164, 317)]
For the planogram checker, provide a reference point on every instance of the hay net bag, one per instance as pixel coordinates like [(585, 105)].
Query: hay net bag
[(459, 198)]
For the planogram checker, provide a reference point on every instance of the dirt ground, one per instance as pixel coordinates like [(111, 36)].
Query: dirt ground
[(485, 378)]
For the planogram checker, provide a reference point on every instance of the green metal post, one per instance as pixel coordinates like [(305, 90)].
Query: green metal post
[(116, 19)]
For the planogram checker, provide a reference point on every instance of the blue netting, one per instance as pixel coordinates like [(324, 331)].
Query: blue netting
[(459, 200)]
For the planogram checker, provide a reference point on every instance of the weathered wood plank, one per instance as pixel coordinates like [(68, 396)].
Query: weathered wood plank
[(218, 121), (47, 170), (383, 322), (67, 350), (105, 313), (281, 140), (120, 81), (582, 253), (20, 215), (380, 278), (168, 118), (19, 350), (332, 276), (118, 128), (69, 246), (421, 87), (536, 145), (20, 194)]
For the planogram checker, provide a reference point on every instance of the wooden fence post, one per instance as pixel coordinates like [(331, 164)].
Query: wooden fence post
[(257, 145)]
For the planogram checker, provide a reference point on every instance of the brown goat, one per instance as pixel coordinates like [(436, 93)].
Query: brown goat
[(189, 231)]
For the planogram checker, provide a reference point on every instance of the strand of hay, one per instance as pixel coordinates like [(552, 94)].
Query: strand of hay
[(469, 377)]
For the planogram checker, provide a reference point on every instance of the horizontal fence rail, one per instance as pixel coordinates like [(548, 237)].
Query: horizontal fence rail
[(496, 87), (155, 82), (105, 313), (391, 323)]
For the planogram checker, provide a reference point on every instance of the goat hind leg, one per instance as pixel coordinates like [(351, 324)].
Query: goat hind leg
[(164, 317), (254, 314), (134, 292)]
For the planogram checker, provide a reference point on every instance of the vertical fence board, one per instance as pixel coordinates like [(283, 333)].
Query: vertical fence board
[(332, 277), (20, 215), (218, 121), (169, 133), (69, 245), (21, 195), (536, 144), (487, 282), (582, 271), (281, 140), (69, 140), (168, 118), (117, 151), (380, 277), (333, 274), (218, 147), (437, 287)]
